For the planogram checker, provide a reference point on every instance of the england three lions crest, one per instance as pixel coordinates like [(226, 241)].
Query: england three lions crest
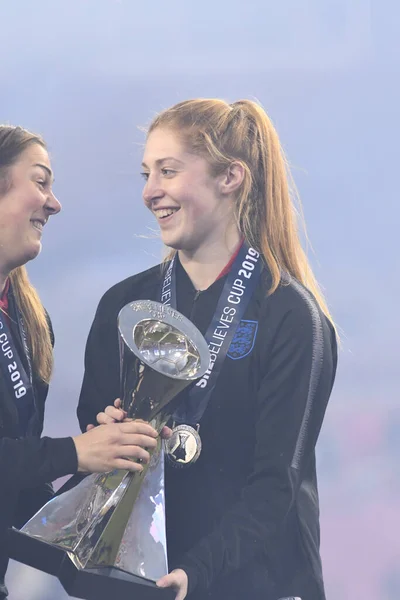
[(244, 339)]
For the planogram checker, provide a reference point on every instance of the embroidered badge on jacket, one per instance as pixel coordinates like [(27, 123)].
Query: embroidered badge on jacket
[(244, 339)]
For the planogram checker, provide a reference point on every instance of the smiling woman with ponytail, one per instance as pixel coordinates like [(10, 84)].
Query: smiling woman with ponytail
[(241, 488)]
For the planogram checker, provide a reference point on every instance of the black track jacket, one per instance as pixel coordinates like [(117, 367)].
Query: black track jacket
[(243, 521)]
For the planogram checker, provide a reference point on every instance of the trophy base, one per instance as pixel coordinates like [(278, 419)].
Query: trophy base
[(86, 584)]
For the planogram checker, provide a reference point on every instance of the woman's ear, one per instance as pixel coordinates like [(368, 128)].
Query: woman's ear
[(232, 178)]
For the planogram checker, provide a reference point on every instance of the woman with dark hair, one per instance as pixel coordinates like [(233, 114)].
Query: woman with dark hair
[(241, 490), (28, 462)]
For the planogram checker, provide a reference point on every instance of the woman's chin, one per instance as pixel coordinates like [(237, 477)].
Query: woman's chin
[(172, 241), (32, 252)]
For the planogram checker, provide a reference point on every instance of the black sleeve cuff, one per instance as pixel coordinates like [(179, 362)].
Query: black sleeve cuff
[(64, 459)]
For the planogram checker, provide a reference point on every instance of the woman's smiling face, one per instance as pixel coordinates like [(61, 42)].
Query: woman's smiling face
[(25, 206), (182, 193)]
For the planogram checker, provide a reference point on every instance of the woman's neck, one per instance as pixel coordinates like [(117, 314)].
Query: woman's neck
[(204, 264)]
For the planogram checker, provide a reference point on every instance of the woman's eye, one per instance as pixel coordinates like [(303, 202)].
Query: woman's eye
[(41, 183), (145, 176), (167, 172)]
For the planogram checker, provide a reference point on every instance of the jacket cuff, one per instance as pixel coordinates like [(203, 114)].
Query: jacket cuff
[(64, 457)]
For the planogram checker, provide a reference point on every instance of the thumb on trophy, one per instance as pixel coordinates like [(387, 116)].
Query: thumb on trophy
[(165, 433), (178, 580)]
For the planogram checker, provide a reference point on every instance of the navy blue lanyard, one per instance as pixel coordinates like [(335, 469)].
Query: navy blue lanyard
[(235, 296), (19, 383)]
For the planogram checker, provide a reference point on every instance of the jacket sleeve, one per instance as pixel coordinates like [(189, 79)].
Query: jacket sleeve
[(291, 402), (31, 499), (31, 461), (100, 385)]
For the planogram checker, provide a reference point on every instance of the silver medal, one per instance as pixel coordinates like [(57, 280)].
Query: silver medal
[(184, 446)]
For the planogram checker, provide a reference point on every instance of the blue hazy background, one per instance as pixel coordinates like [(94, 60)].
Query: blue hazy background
[(87, 73)]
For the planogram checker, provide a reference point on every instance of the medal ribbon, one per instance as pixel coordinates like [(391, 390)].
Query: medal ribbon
[(239, 286), (18, 382)]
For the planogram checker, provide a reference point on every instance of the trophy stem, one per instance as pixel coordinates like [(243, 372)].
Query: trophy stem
[(109, 533), (82, 552)]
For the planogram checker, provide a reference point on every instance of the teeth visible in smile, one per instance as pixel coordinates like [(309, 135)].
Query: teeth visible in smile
[(38, 225), (165, 212)]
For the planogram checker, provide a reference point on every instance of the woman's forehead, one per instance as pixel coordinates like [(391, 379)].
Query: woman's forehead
[(35, 153), (33, 156), (165, 144), (163, 139)]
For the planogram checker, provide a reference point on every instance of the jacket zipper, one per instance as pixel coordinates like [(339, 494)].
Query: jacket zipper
[(197, 294)]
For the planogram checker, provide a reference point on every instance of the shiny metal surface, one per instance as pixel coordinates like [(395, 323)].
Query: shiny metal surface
[(117, 519)]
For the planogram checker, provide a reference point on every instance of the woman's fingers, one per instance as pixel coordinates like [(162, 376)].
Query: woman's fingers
[(110, 415), (139, 427), (103, 419), (116, 413), (128, 465), (116, 446), (137, 439), (165, 433)]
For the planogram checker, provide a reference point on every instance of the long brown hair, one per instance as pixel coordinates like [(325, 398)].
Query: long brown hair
[(13, 141), (265, 209)]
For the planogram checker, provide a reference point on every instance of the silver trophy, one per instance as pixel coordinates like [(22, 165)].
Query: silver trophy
[(113, 525)]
